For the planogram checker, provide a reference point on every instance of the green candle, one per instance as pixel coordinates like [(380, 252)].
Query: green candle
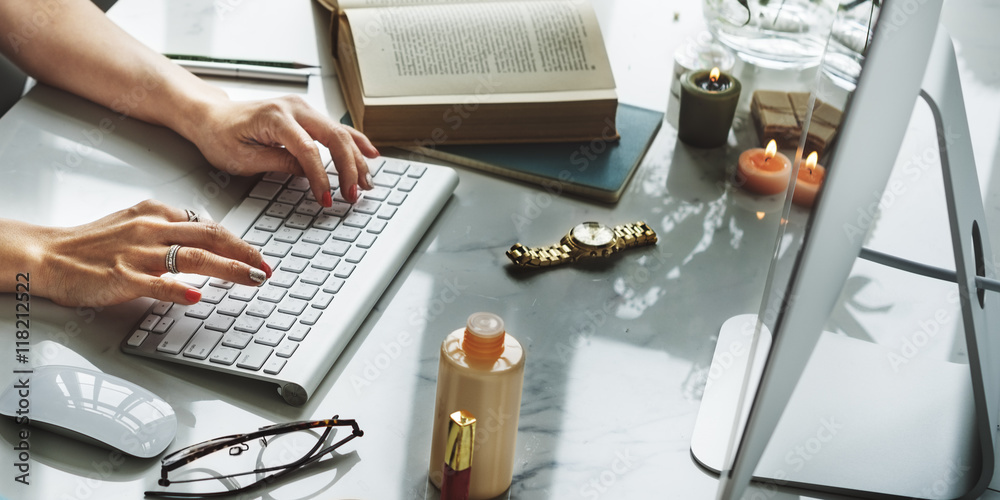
[(708, 104)]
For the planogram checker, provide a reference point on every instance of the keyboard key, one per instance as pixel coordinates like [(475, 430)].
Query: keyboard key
[(355, 255), (310, 316), (231, 307), (286, 349), (213, 295), (248, 324), (267, 223), (219, 322), (221, 283), (325, 262), (274, 365), (357, 220), (140, 335), (344, 270), (299, 183), (294, 264), (269, 337), (298, 221), (265, 190), (386, 179), (334, 285), (377, 194), (283, 279), (202, 344), (305, 250), (416, 170), (261, 309), (406, 184), (336, 247), (292, 306), (257, 237), (327, 222), (386, 212), (394, 167), (310, 208), (375, 164), (279, 210), (162, 307), (150, 321), (396, 198), (276, 249), (163, 325), (253, 357), (322, 301), (377, 226), (237, 340), (298, 332), (287, 234), (200, 310), (316, 235), (279, 177), (366, 206), (344, 233), (243, 292), (338, 209), (303, 291), (195, 280), (271, 293), (281, 321), (224, 355), (290, 196), (315, 276), (366, 240), (183, 330)]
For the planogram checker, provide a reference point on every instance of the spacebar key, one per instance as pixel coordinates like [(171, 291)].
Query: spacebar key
[(254, 356), (240, 218), (180, 334)]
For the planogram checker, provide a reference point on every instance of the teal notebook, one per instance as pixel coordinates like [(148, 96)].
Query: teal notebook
[(597, 169)]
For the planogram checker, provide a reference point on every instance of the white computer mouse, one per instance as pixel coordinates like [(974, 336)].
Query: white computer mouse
[(93, 407)]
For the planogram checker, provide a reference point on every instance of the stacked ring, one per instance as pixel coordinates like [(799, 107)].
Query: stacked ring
[(192, 215), (172, 258)]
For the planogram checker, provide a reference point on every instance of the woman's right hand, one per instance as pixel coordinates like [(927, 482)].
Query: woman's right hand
[(123, 256)]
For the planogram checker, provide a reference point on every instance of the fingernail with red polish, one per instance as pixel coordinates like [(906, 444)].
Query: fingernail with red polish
[(376, 152), (327, 199), (266, 268), (352, 194), (192, 295)]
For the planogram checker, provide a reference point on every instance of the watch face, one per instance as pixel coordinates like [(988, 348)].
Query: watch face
[(593, 234)]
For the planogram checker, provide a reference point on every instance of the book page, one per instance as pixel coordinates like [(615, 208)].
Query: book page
[(481, 48), (354, 4)]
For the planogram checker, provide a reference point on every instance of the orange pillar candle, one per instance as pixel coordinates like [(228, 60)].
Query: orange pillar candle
[(808, 181), (764, 171)]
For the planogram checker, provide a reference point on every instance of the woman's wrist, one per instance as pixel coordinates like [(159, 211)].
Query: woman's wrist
[(23, 251), (191, 103)]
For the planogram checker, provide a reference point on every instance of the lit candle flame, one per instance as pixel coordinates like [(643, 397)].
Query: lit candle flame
[(714, 74), (771, 150), (811, 161), (760, 215)]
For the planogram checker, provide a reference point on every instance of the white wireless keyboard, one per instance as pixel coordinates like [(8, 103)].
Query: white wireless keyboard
[(330, 267)]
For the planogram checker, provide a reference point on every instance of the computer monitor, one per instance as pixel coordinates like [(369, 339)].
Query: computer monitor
[(831, 402)]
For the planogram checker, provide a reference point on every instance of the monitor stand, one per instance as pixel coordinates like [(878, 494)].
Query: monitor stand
[(856, 424)]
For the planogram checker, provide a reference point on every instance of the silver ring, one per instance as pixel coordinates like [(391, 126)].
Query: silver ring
[(172, 258), (192, 216)]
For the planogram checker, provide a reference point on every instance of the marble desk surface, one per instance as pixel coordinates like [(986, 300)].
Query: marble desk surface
[(618, 352)]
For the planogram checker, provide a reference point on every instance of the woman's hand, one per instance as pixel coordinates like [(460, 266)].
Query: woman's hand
[(122, 256), (246, 137)]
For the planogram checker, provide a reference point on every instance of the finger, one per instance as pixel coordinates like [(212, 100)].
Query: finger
[(216, 239), (361, 140), (200, 261), (302, 146), (165, 289), (364, 174), (343, 146), (277, 160)]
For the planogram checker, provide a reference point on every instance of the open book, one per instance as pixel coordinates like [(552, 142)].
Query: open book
[(425, 73)]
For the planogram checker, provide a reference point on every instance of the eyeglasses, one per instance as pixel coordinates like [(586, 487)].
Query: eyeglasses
[(239, 445)]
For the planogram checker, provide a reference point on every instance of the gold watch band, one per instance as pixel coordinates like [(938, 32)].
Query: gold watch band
[(636, 234), (538, 257)]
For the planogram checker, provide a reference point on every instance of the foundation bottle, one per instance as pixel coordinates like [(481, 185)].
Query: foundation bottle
[(481, 371)]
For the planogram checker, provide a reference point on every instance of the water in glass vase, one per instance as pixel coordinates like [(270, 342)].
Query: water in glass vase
[(778, 34)]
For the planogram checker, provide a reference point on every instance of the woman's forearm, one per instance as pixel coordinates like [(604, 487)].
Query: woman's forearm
[(72, 45), (20, 252)]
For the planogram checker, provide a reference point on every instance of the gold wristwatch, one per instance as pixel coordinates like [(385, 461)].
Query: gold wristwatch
[(590, 239)]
